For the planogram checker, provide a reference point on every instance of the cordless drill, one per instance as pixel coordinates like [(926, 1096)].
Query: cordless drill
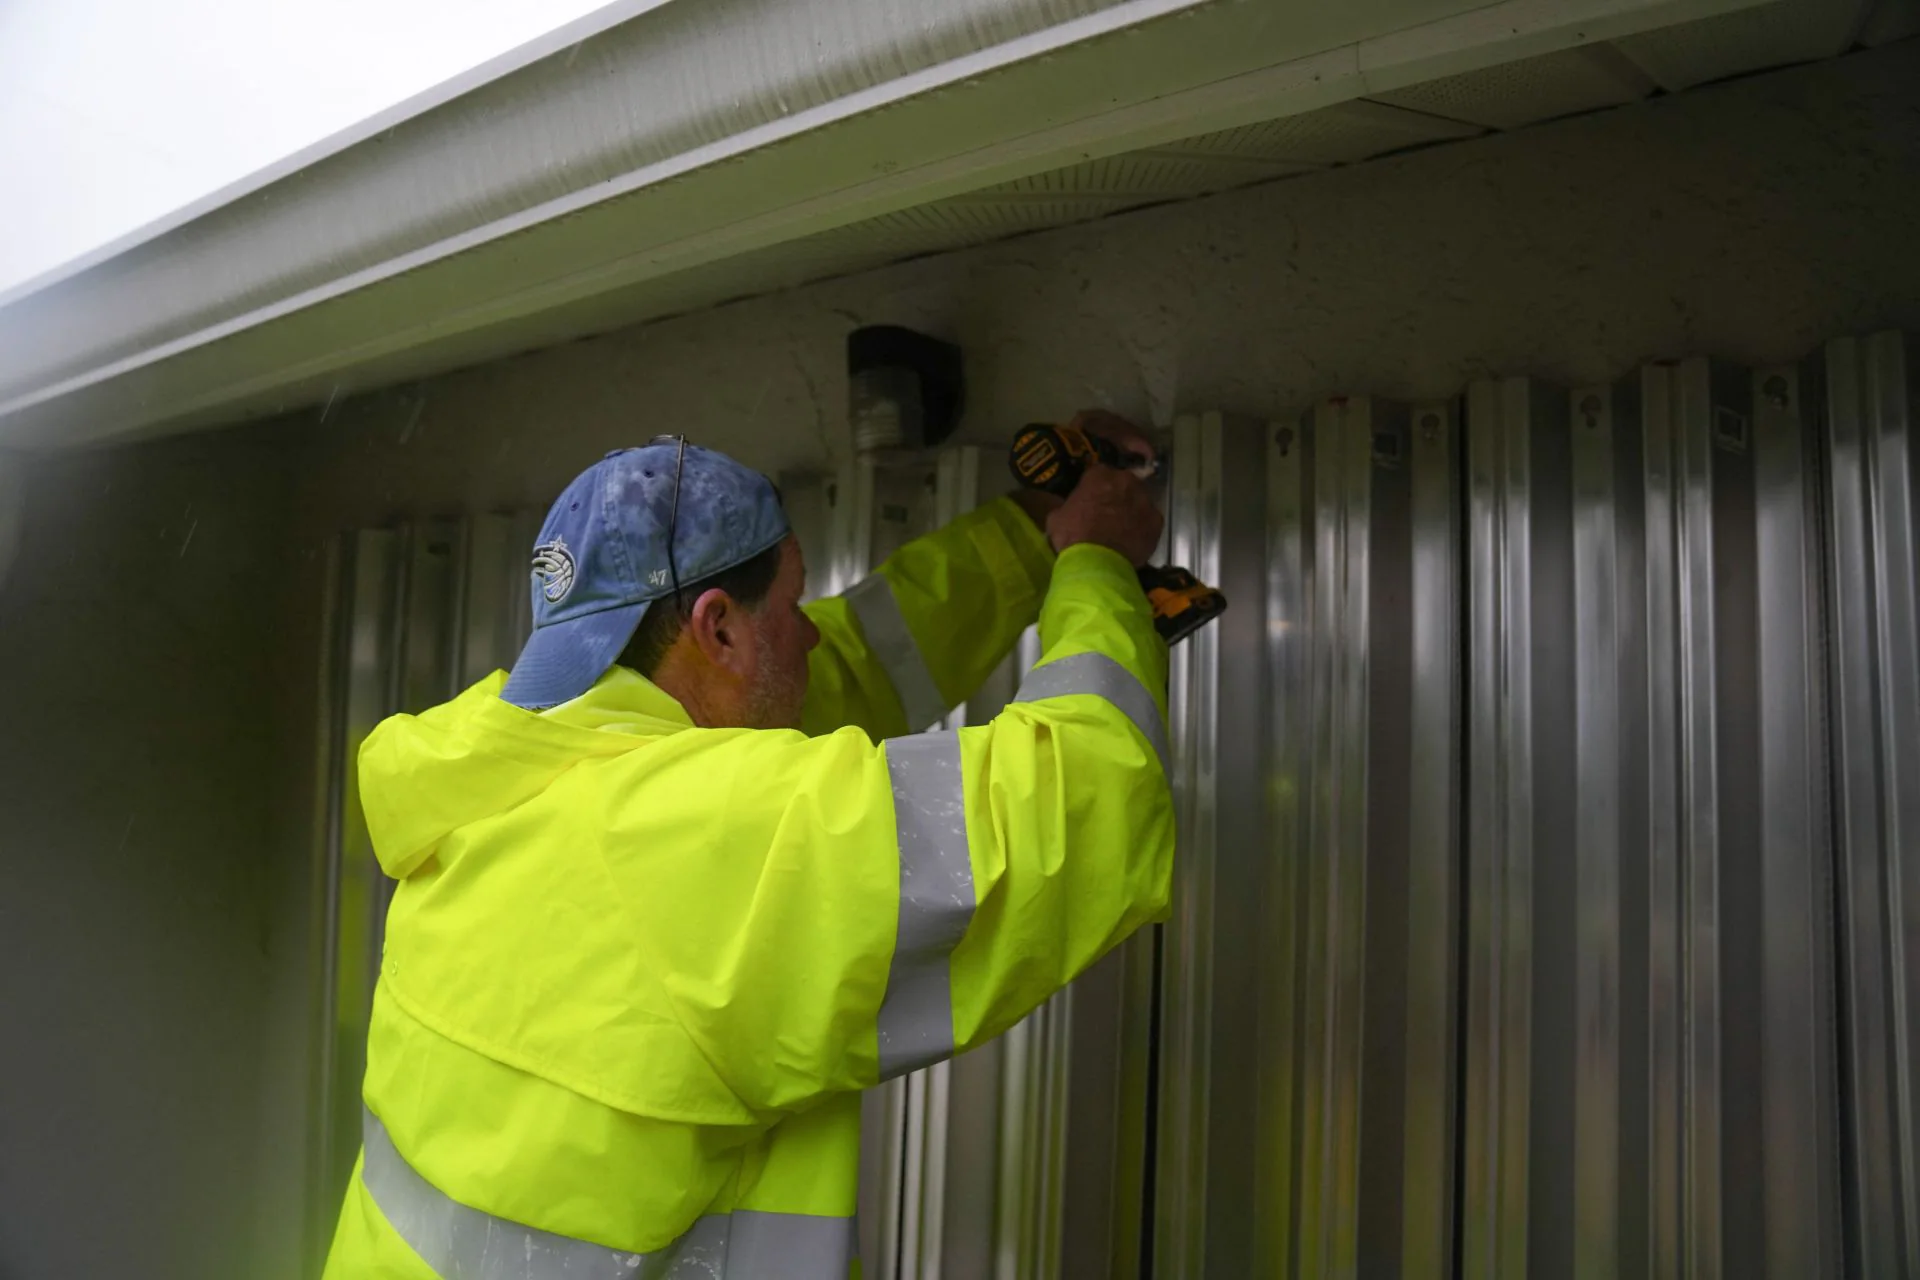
[(1053, 458)]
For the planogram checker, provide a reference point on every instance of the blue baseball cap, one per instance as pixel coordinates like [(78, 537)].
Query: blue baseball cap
[(603, 556)]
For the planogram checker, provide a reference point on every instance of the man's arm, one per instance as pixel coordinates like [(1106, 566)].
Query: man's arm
[(865, 909), (924, 631), (915, 639)]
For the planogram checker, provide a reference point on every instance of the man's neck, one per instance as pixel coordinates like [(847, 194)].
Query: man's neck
[(683, 680)]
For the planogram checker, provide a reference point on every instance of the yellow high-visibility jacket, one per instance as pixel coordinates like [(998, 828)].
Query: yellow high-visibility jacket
[(637, 972)]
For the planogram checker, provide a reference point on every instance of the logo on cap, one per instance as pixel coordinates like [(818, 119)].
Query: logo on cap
[(553, 565)]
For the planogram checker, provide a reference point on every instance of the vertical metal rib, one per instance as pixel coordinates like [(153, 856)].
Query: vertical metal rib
[(1662, 836), (1871, 1211), (494, 598), (1699, 817), (1010, 1192), (956, 483), (1323, 1179), (1128, 1211), (1513, 844), (1480, 1200), (361, 687), (1059, 1069), (913, 1170), (1043, 1145), (1896, 559), (1500, 826), (1344, 836), (928, 1134), (1180, 1187), (526, 530), (1034, 1157), (1291, 627), (1799, 1193), (323, 1178), (430, 640), (1596, 840), (1427, 1206), (1875, 646)]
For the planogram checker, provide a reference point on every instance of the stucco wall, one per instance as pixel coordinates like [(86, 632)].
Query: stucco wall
[(138, 961)]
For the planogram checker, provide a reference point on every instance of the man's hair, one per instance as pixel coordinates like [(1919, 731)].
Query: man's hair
[(747, 583)]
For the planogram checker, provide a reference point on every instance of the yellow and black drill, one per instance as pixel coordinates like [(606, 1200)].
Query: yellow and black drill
[(1053, 458)]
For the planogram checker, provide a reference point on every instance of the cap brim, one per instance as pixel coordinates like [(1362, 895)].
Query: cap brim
[(562, 660)]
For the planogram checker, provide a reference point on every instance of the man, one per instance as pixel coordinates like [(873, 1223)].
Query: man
[(687, 882)]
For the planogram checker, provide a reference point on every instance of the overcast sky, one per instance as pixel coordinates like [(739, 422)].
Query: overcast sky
[(116, 112)]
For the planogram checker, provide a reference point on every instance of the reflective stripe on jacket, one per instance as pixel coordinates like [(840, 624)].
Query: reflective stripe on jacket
[(636, 972)]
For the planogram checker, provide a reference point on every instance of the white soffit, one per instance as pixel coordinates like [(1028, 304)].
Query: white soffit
[(586, 188)]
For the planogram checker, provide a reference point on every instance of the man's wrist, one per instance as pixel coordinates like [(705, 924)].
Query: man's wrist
[(1037, 505)]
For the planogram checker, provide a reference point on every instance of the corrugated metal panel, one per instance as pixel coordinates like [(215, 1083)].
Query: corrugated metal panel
[(1666, 582), (1307, 1092), (413, 613), (1511, 790), (493, 610), (1873, 558), (360, 689), (1649, 1070), (1187, 988)]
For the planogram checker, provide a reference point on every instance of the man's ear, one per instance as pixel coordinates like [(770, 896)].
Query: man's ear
[(714, 624)]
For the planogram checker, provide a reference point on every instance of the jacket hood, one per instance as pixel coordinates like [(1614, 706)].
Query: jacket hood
[(424, 777)]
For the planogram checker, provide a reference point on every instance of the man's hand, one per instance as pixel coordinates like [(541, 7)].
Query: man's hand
[(1111, 509), (1100, 422)]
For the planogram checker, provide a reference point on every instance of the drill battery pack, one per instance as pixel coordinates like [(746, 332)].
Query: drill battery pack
[(1052, 459), (1182, 604)]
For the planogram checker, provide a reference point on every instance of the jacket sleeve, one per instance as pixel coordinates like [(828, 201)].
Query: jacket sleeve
[(914, 640), (829, 912)]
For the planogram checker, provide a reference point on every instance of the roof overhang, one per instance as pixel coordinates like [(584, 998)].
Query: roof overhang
[(602, 175)]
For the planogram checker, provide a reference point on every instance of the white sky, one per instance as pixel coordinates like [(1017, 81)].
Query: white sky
[(116, 112)]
